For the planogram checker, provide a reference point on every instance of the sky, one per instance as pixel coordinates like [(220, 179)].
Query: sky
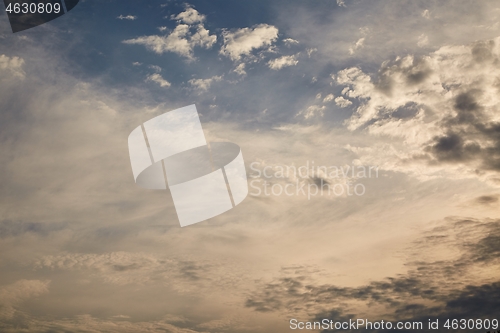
[(410, 89)]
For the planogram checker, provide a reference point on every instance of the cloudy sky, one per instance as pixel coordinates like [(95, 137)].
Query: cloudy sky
[(411, 88)]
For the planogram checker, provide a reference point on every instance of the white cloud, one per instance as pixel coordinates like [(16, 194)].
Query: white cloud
[(203, 38), (204, 84), (127, 17), (342, 102), (243, 41), (240, 69), (136, 63), (189, 16), (290, 41), (426, 14), (281, 62), (341, 3), (163, 28), (157, 78), (328, 98), (12, 64), (182, 40), (155, 68), (426, 101)]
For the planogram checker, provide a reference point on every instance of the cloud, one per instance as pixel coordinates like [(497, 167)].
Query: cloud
[(204, 84), (432, 287), (157, 78), (74, 150), (423, 40), (240, 69), (128, 17), (189, 16), (443, 104), (283, 61), (14, 65), (342, 102), (487, 199), (155, 68), (328, 98), (243, 41), (10, 228), (14, 294), (183, 39), (312, 111), (290, 41), (360, 42), (90, 323), (341, 3)]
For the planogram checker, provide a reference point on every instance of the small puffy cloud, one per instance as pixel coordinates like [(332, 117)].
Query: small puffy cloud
[(127, 17), (290, 41), (341, 3), (157, 78), (243, 41), (328, 98), (136, 63), (163, 28), (426, 14), (240, 69), (189, 16), (342, 102), (12, 64), (155, 68), (204, 84), (281, 62)]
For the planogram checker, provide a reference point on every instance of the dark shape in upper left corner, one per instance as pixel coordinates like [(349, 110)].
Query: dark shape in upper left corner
[(21, 21)]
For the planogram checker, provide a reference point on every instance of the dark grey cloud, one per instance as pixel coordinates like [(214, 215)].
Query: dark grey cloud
[(428, 291), (487, 199), (470, 135)]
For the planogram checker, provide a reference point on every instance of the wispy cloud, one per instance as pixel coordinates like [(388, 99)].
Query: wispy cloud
[(284, 61), (157, 78), (127, 17), (204, 84), (14, 65)]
